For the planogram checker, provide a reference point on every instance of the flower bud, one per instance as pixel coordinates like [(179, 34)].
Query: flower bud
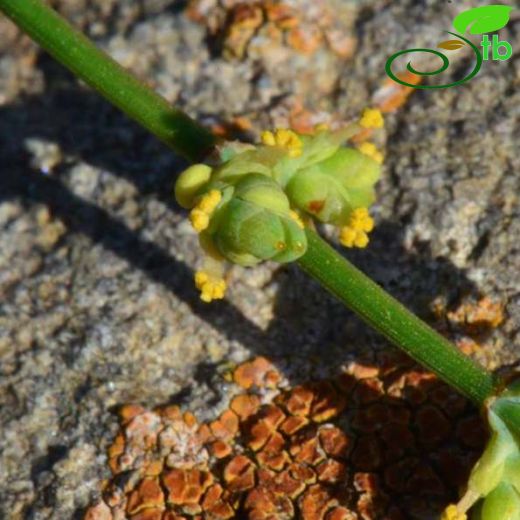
[(333, 188), (249, 208), (256, 224), (503, 503)]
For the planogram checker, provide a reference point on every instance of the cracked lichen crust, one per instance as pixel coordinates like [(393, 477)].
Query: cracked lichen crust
[(255, 204), (494, 484), (375, 441)]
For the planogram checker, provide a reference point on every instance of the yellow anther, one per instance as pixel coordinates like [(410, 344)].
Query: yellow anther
[(348, 236), (361, 220), (359, 214), (199, 215), (355, 233), (287, 138), (210, 287), (452, 512), (361, 240), (200, 279), (295, 152), (284, 139), (199, 220), (372, 118), (268, 138), (297, 219), (371, 150), (209, 201)]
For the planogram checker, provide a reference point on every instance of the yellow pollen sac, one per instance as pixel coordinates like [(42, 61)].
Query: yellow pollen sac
[(297, 219), (452, 513), (199, 215), (210, 287), (371, 151), (361, 220), (200, 279), (199, 220), (372, 118), (210, 201), (355, 234), (268, 138), (361, 240), (284, 139)]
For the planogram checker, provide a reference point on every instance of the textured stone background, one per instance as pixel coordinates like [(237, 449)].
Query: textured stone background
[(97, 304)]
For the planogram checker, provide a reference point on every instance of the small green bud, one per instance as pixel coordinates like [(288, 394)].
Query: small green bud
[(190, 182), (331, 189), (257, 224), (503, 503)]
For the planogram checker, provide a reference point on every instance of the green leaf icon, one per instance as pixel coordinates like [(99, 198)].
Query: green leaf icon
[(483, 19), (451, 45)]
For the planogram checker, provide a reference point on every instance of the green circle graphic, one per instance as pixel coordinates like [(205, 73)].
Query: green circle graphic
[(442, 68)]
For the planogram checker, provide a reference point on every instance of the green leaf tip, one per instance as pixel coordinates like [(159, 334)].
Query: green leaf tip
[(484, 19)]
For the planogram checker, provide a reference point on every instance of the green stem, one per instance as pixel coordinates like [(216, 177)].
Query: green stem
[(96, 68), (394, 321), (187, 137)]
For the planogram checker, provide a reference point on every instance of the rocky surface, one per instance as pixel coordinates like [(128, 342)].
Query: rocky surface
[(380, 439), (97, 304)]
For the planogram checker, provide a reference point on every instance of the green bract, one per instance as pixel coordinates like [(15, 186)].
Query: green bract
[(254, 223), (332, 188)]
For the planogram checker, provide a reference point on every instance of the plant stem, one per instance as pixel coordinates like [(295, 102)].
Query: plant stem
[(394, 321), (190, 139), (101, 72)]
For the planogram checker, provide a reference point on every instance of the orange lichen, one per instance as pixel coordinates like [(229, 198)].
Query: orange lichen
[(259, 372), (236, 24), (382, 439), (292, 424), (300, 401), (282, 15), (315, 502), (244, 20), (471, 322), (327, 402), (245, 405), (148, 494), (477, 317), (220, 449), (215, 505), (186, 487), (226, 426), (239, 474), (392, 95), (305, 40)]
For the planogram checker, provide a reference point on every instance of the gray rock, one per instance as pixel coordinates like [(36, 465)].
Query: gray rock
[(97, 304)]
